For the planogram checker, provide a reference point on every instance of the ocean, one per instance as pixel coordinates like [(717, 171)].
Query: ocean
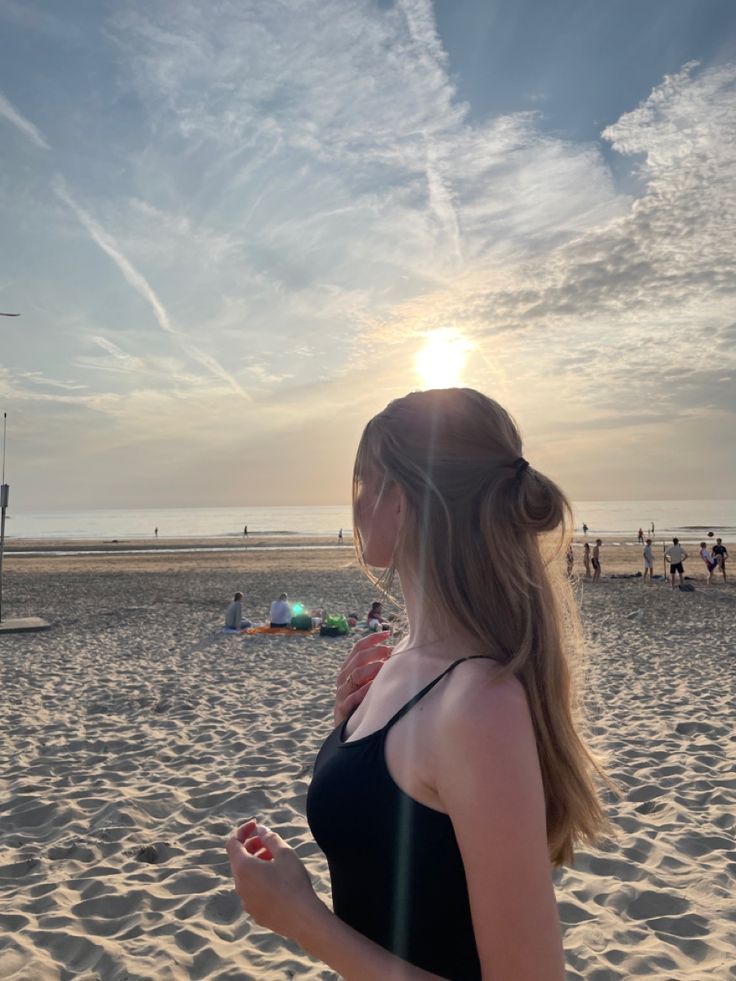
[(689, 520)]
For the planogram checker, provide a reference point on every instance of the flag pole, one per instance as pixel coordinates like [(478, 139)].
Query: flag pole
[(4, 492)]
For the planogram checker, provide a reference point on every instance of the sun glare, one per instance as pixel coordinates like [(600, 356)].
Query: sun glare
[(441, 360)]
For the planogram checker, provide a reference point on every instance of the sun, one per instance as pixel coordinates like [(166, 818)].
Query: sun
[(441, 361)]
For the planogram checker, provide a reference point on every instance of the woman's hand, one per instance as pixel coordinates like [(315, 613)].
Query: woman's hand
[(358, 671), (271, 880)]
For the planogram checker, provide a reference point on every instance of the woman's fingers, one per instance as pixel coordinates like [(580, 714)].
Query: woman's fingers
[(363, 655), (255, 846), (246, 830), (345, 705), (360, 675)]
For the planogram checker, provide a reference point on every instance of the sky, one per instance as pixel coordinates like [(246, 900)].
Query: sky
[(234, 231)]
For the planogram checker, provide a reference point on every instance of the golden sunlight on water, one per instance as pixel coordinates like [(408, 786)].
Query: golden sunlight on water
[(441, 361)]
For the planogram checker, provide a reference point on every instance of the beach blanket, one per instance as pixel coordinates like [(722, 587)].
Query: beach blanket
[(288, 631)]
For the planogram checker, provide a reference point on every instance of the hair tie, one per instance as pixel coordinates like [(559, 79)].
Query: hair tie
[(520, 465)]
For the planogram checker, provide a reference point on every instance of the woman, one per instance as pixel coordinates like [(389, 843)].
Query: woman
[(586, 560), (456, 775)]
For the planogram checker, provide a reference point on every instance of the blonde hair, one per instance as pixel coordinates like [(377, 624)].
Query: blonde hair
[(475, 508)]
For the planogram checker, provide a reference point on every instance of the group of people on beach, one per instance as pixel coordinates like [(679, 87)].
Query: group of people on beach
[(283, 615), (674, 555)]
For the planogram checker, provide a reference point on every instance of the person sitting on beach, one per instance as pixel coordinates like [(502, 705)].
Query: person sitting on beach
[(375, 618), (648, 556), (676, 555), (457, 773), (720, 554), (281, 612), (597, 560), (234, 619), (586, 559), (708, 560)]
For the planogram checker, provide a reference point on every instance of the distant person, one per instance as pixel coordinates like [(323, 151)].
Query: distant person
[(585, 528), (651, 530), (596, 560), (640, 538), (676, 555), (720, 554), (586, 559), (339, 536), (648, 556), (155, 532), (569, 559), (707, 558), (234, 619), (375, 618), (281, 612), (245, 531)]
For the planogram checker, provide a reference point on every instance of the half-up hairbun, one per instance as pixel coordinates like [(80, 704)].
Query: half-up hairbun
[(541, 505)]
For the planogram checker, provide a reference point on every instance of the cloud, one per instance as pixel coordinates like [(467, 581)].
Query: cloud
[(24, 14), (33, 133), (141, 285), (308, 197)]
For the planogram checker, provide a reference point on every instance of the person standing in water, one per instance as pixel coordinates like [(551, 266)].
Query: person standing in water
[(640, 536), (456, 775)]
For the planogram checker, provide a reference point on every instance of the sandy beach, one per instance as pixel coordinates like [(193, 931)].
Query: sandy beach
[(135, 735)]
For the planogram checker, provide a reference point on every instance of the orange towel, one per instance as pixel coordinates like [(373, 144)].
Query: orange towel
[(289, 631)]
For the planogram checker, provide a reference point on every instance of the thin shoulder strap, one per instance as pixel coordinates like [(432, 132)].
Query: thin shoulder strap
[(427, 688)]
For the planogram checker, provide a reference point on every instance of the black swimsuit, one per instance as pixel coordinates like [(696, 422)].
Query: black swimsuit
[(396, 870)]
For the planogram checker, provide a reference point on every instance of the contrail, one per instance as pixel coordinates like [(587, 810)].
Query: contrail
[(141, 285), (34, 134)]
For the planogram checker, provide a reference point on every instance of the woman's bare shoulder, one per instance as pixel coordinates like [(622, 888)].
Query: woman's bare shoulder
[(482, 697)]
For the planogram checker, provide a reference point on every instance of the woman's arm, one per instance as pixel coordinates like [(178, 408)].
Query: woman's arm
[(276, 891), (488, 778)]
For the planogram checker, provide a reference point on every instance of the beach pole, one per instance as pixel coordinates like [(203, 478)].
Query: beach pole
[(14, 625), (4, 495)]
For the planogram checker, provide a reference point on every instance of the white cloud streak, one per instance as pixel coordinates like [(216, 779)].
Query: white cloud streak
[(141, 285), (17, 119)]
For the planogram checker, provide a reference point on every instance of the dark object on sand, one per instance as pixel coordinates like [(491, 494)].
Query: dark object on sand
[(687, 587), (148, 853), (302, 621)]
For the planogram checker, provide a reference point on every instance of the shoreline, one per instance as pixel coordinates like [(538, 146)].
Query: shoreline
[(618, 558)]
